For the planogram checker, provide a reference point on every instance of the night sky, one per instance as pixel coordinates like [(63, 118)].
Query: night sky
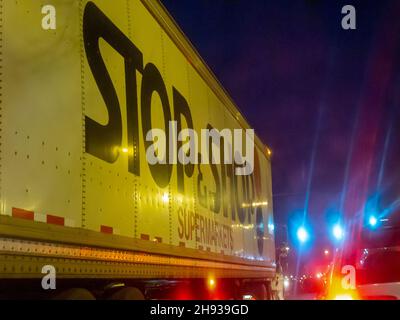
[(322, 98)]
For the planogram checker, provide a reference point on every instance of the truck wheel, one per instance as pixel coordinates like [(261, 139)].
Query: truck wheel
[(75, 294), (128, 293)]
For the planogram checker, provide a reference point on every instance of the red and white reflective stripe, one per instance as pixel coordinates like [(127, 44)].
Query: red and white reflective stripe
[(144, 236), (106, 229), (23, 214), (158, 239), (147, 237), (109, 230), (40, 217), (60, 221)]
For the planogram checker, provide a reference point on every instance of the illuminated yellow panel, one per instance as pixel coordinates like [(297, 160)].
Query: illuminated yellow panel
[(146, 34), (235, 203), (223, 236), (109, 191), (182, 208), (269, 244), (153, 214), (41, 137), (202, 177)]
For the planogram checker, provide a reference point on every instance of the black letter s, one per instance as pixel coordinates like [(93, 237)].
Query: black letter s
[(101, 141)]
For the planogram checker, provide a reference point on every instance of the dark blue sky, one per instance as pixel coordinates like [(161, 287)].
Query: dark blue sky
[(305, 85)]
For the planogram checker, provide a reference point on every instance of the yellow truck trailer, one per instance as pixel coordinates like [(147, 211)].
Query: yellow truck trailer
[(81, 82)]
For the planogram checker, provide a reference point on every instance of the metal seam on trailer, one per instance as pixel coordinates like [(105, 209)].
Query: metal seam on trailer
[(83, 157), (195, 205), (128, 10), (1, 107), (135, 206), (170, 211), (164, 73), (135, 189)]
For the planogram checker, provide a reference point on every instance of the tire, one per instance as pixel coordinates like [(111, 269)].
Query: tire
[(75, 294), (128, 293)]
